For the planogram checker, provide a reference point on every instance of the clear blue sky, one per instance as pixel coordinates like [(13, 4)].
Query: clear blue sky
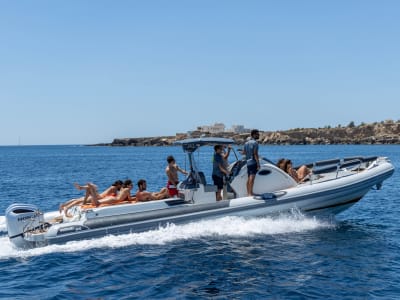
[(81, 72)]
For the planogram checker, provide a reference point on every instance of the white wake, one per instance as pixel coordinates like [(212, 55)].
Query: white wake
[(222, 227), (3, 226)]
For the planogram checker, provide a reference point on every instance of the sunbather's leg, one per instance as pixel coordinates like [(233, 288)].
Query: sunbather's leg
[(78, 201), (86, 198), (107, 200), (162, 194), (94, 195)]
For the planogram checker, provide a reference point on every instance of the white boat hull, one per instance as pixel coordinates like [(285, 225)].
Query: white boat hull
[(329, 193)]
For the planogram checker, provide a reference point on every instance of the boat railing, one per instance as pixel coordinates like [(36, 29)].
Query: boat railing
[(337, 165), (331, 163), (328, 162), (354, 164), (326, 169)]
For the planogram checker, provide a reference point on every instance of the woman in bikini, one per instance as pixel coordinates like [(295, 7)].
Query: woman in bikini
[(111, 191), (299, 175), (123, 195)]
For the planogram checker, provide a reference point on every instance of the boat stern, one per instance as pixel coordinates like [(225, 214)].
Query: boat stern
[(21, 218)]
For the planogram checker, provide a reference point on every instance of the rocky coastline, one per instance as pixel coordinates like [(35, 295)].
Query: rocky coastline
[(385, 132)]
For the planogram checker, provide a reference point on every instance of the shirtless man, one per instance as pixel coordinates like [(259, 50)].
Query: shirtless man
[(111, 191), (172, 173), (142, 195)]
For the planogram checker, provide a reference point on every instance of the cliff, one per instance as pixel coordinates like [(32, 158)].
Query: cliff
[(386, 132)]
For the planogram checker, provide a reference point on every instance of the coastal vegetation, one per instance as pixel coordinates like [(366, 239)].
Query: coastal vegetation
[(385, 132)]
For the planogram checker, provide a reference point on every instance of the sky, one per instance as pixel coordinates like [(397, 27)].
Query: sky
[(89, 71)]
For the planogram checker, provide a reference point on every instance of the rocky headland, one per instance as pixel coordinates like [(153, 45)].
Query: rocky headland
[(385, 132)]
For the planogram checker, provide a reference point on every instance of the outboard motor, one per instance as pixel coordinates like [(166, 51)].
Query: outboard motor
[(21, 218)]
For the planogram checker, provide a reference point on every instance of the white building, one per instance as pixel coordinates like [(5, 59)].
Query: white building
[(238, 129), (216, 128), (220, 127)]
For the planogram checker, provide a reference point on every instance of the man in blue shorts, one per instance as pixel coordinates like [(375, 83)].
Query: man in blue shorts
[(219, 170), (253, 164)]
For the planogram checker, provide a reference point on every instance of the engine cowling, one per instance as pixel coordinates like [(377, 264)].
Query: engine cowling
[(21, 218)]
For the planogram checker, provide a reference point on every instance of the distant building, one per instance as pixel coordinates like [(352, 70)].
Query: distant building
[(220, 127), (238, 129), (216, 128)]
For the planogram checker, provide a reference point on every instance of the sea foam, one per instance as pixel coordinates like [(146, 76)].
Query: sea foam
[(221, 227)]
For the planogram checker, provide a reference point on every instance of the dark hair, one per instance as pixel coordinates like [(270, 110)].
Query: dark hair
[(286, 163), (140, 182), (118, 182), (216, 147), (170, 159), (254, 132), (281, 163), (127, 182)]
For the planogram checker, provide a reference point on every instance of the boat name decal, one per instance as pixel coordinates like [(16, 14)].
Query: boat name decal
[(24, 218)]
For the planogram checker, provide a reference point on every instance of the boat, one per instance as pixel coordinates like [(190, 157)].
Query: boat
[(333, 186)]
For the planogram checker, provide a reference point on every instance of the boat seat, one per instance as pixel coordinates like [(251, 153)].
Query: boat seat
[(351, 163), (328, 162), (238, 165), (346, 159), (207, 187), (202, 178), (369, 159), (323, 170), (210, 188)]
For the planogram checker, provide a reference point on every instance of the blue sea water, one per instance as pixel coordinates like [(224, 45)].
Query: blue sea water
[(355, 255)]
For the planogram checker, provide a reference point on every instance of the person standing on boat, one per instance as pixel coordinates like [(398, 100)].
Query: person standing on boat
[(172, 173), (225, 156), (219, 170), (253, 163)]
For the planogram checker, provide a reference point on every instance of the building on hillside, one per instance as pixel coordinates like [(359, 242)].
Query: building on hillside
[(238, 129), (216, 128), (220, 128)]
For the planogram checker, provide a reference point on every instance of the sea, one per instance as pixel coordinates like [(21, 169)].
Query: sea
[(354, 255)]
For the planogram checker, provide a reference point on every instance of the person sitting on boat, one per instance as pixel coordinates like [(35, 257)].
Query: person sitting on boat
[(300, 175), (142, 195), (172, 173), (111, 191), (280, 165), (123, 196)]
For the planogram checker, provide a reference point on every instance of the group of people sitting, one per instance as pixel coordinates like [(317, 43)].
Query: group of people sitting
[(120, 192), (299, 175)]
